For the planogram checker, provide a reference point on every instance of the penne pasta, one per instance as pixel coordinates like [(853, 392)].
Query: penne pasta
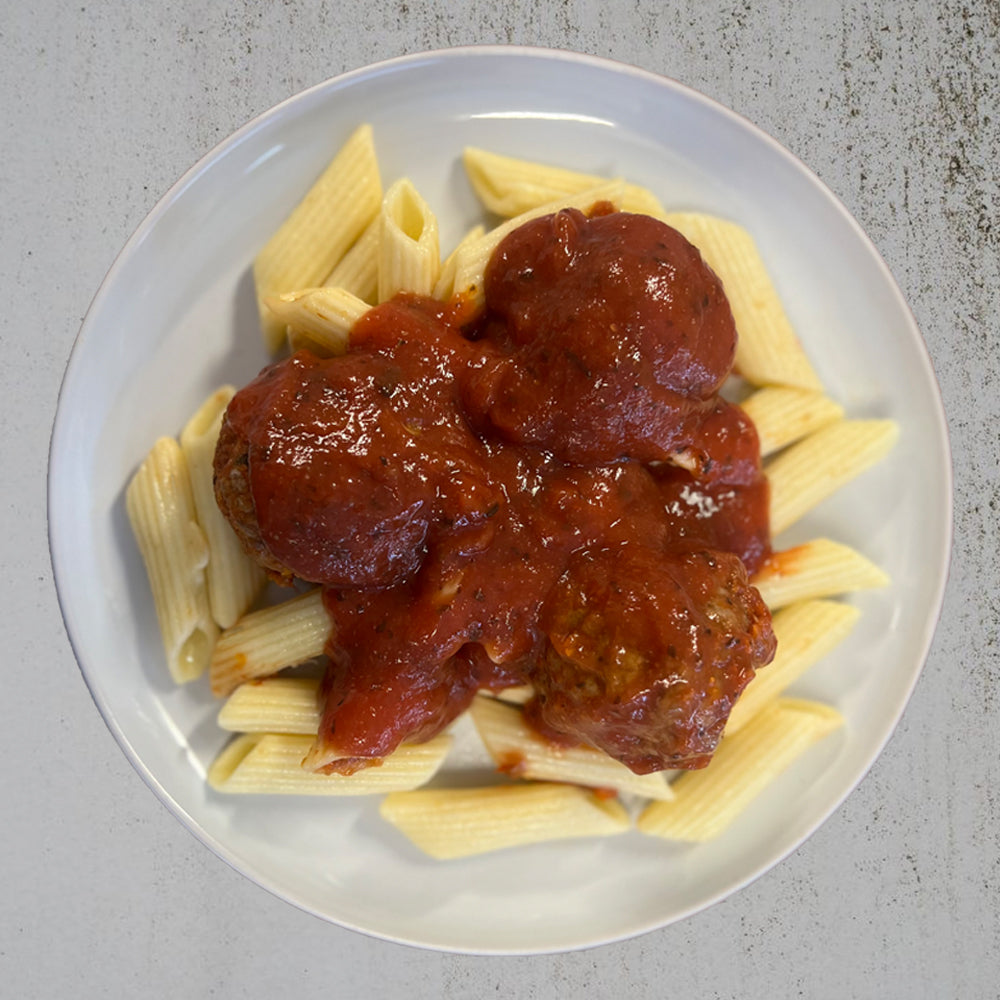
[(357, 271), (321, 228), (273, 705), (470, 264), (817, 466), (522, 753), (708, 801), (768, 351), (820, 568), (271, 763), (457, 822), (318, 318), (806, 632), (444, 287), (408, 249), (264, 642), (160, 506), (508, 186), (783, 414), (233, 579), (519, 695)]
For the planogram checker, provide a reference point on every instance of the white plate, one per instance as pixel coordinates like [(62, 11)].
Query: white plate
[(175, 317)]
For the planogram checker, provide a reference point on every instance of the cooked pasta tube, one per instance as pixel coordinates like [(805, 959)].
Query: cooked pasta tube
[(820, 568), (357, 271), (271, 763), (768, 352), (234, 580), (457, 822), (806, 632), (519, 695), (444, 287), (470, 266), (409, 256), (783, 414), (321, 228), (522, 753), (318, 318), (160, 506), (508, 186), (264, 642), (708, 801), (812, 469), (273, 705)]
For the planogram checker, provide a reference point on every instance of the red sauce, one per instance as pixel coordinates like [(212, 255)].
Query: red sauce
[(500, 502)]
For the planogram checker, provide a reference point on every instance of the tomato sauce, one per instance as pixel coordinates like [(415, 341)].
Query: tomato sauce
[(552, 493)]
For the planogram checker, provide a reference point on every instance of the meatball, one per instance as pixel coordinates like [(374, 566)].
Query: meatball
[(647, 653), (336, 470), (615, 335)]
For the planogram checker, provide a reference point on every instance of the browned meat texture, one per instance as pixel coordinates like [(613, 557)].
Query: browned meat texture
[(235, 499), (648, 652)]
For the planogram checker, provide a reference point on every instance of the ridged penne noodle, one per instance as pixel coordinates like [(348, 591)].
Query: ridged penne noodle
[(806, 632), (508, 186), (273, 705), (321, 228), (470, 266), (768, 351), (522, 753), (271, 763), (812, 469), (357, 271), (264, 642), (234, 580), (409, 253), (444, 287), (160, 506), (783, 414), (707, 801), (457, 822), (820, 568), (318, 318)]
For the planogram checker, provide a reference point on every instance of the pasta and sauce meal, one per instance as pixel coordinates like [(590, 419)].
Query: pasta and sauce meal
[(511, 486)]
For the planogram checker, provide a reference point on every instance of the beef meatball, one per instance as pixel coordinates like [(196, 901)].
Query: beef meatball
[(336, 470), (615, 337), (647, 652)]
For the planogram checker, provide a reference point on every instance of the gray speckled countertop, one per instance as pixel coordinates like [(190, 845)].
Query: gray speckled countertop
[(892, 104)]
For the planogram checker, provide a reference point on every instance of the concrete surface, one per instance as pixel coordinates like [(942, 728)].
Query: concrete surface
[(893, 104)]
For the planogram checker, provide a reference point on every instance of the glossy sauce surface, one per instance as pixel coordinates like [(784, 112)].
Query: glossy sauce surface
[(501, 502)]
